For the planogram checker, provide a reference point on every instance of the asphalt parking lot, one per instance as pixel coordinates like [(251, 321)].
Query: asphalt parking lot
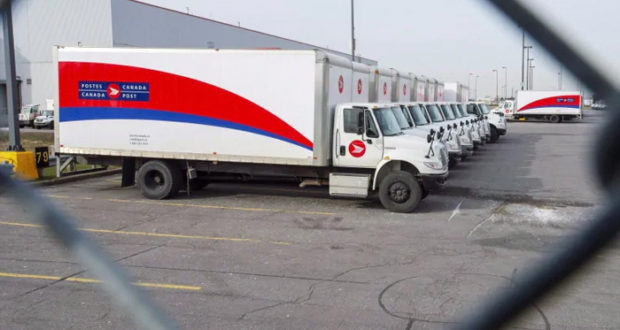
[(274, 256)]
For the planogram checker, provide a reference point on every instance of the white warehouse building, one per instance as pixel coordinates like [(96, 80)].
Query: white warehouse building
[(39, 25)]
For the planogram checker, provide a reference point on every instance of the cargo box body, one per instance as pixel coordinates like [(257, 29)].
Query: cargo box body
[(381, 85), (419, 84), (401, 86), (564, 103), (270, 107)]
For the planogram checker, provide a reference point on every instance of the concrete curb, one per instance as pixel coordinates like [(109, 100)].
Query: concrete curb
[(77, 177)]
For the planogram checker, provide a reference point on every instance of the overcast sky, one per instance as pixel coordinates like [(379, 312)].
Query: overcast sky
[(443, 39)]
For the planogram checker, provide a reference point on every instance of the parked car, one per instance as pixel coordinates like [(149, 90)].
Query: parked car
[(45, 119)]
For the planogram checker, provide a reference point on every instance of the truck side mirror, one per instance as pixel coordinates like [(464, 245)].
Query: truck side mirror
[(360, 123), (432, 131), (429, 138)]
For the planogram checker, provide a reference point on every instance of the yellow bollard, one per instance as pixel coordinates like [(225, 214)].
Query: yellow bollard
[(23, 163)]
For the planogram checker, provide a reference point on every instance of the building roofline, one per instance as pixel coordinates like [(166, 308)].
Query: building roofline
[(243, 28)]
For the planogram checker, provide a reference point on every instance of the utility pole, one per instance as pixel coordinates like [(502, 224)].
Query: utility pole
[(469, 81), (352, 32), (11, 81), (527, 79), (530, 69), (505, 81), (523, 61), (496, 85)]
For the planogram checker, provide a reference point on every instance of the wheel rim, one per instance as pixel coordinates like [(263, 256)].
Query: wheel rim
[(154, 180), (399, 192)]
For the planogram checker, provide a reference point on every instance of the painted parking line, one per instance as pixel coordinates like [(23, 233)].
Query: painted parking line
[(92, 280), (203, 206), (148, 234)]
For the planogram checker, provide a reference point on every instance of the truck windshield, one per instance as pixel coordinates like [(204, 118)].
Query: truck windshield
[(433, 111), (400, 117), (387, 122), (483, 108), (447, 112), (456, 111), (462, 110), (418, 115)]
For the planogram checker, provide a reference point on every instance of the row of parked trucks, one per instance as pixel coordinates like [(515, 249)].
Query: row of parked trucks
[(183, 118)]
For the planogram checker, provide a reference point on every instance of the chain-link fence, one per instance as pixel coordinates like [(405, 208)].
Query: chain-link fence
[(494, 312)]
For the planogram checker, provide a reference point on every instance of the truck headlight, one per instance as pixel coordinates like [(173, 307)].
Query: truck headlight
[(434, 165)]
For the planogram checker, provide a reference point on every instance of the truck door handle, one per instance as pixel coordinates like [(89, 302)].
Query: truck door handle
[(369, 141), (343, 150)]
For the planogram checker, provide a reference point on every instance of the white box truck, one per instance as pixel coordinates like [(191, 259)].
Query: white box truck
[(380, 85), (439, 91), (183, 117), (554, 106), (431, 86), (455, 92), (419, 86), (401, 86)]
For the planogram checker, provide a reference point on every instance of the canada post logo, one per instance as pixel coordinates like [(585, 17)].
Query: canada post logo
[(113, 91)]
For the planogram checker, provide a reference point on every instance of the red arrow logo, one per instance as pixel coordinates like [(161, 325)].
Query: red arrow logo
[(113, 91), (357, 148)]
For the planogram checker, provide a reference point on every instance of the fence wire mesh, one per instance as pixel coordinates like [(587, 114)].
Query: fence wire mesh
[(495, 311)]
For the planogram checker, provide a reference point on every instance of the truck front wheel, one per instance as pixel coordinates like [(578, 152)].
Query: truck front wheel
[(400, 192), (494, 134), (158, 179)]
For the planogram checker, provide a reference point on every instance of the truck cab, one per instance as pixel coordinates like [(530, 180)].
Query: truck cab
[(507, 107), (402, 168), (450, 137), (461, 131), (495, 121), (470, 129)]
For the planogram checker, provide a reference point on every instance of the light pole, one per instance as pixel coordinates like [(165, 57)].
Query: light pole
[(11, 81), (469, 81), (527, 79), (476, 88), (496, 85), (352, 33), (560, 79), (505, 81), (523, 61), (530, 73)]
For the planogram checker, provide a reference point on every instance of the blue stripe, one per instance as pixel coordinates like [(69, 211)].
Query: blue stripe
[(102, 113), (552, 106)]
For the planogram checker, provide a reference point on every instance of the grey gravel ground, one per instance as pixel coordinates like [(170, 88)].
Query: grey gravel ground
[(273, 256)]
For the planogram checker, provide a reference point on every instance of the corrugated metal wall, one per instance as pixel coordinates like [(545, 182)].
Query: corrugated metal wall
[(40, 24), (182, 30)]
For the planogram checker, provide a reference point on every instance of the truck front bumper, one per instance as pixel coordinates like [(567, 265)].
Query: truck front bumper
[(434, 182), (467, 150)]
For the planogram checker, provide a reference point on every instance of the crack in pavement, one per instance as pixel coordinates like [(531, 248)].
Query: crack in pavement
[(62, 279)]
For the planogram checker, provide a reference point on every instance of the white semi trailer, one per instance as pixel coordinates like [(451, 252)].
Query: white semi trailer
[(554, 106), (184, 117)]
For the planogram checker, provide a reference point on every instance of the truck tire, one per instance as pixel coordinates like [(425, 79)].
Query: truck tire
[(400, 192), (555, 119), (158, 179), (494, 134)]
